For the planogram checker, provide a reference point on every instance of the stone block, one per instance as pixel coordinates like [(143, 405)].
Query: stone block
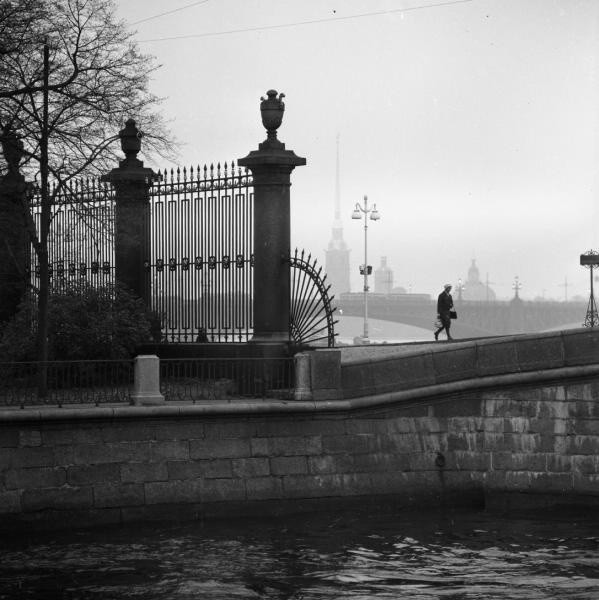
[(586, 464), (299, 427), (552, 482), (219, 448), (471, 461), (312, 486), (357, 379), (393, 483), (581, 346), (349, 444), (219, 490), (454, 364), (62, 498), (544, 426), (459, 406), (232, 430), (250, 467), (509, 461), (584, 397), (403, 443), (289, 465), (30, 437), (89, 454), (330, 463), (427, 425), (130, 431), (36, 477), (523, 442), (438, 442), (53, 436), (115, 495), (9, 437), (141, 472), (363, 425), (496, 357), (465, 441), (381, 461), (585, 427), (517, 424), (188, 430), (172, 492), (397, 425), (325, 374), (170, 450), (10, 502), (558, 463), (264, 488), (582, 444), (544, 351), (585, 483), (293, 446), (356, 484), (259, 447), (32, 457)]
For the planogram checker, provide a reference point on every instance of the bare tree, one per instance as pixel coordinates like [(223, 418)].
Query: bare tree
[(70, 75)]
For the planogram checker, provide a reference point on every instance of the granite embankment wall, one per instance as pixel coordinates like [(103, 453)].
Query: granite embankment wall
[(532, 434)]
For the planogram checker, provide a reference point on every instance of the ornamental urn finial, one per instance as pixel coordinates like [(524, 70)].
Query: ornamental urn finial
[(12, 149), (272, 109), (130, 141)]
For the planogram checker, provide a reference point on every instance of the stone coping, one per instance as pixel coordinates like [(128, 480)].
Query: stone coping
[(278, 407)]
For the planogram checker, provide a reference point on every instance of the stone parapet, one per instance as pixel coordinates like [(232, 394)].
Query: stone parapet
[(471, 359)]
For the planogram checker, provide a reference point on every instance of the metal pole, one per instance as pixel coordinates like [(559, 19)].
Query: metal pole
[(365, 268), (592, 303)]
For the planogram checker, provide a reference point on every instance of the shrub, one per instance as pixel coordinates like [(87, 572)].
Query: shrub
[(84, 323)]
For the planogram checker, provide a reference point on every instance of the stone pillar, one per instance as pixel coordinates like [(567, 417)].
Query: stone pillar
[(271, 166), (146, 388), (15, 254), (131, 182)]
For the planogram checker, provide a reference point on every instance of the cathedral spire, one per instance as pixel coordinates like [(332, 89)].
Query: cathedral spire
[(337, 254)]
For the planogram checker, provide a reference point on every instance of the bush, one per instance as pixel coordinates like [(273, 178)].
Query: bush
[(84, 323)]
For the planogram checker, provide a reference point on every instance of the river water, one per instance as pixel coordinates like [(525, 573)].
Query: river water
[(425, 555)]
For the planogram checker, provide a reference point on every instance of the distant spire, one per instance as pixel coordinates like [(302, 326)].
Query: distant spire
[(337, 241), (337, 189)]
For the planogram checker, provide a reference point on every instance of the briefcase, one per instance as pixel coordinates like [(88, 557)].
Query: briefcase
[(453, 314)]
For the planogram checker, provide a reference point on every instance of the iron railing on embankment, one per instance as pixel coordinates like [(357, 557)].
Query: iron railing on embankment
[(226, 379), (96, 382), (66, 382)]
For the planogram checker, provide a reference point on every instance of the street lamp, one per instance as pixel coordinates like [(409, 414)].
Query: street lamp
[(461, 288), (365, 269)]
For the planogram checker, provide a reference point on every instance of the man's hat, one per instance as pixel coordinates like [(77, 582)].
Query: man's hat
[(447, 285)]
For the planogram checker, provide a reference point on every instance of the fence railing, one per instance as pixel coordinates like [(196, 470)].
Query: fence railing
[(101, 382), (226, 378), (68, 382)]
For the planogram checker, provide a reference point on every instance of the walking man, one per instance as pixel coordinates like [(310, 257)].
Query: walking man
[(444, 307)]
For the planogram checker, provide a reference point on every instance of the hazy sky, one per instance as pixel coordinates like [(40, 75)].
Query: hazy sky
[(473, 126)]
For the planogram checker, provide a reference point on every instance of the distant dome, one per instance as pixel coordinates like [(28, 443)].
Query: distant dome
[(474, 289)]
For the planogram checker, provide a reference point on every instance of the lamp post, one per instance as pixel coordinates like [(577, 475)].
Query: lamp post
[(461, 288), (365, 269), (516, 286)]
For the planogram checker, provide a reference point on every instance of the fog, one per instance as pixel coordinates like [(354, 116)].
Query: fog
[(471, 124)]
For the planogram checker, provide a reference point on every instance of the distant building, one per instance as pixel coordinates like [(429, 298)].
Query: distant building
[(383, 278), (337, 253), (474, 289)]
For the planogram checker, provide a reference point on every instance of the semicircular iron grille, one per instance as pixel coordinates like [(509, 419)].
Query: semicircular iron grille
[(311, 311)]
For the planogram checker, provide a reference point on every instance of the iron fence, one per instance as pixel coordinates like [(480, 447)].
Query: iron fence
[(68, 382), (199, 380), (201, 253), (81, 236)]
